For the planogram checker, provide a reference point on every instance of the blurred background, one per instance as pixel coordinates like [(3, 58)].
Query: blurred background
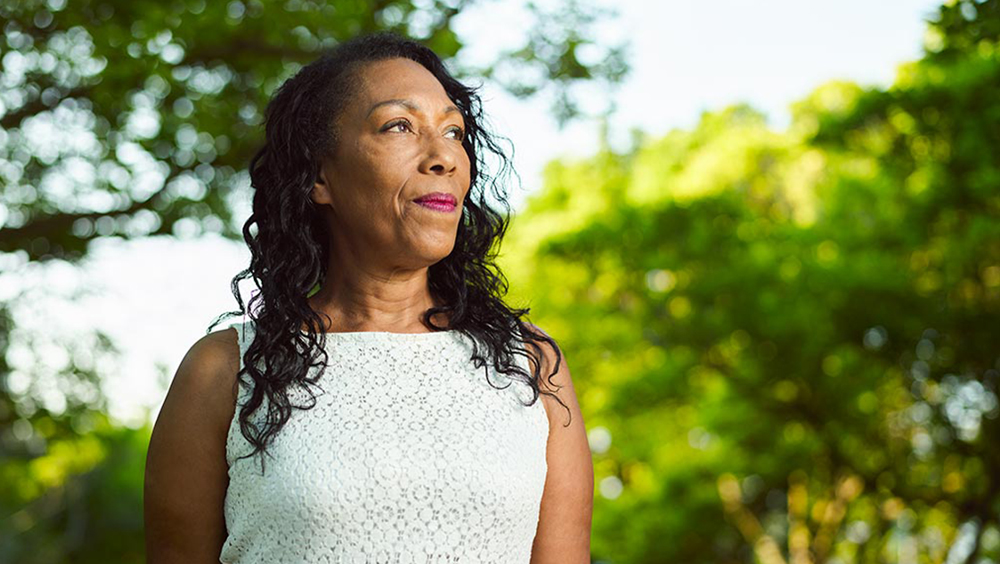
[(766, 235)]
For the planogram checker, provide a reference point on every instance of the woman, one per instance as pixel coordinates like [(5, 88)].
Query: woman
[(370, 239)]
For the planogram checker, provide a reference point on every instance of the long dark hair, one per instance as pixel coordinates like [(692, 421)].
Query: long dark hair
[(289, 242)]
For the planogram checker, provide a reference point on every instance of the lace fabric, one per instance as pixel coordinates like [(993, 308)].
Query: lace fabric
[(408, 456)]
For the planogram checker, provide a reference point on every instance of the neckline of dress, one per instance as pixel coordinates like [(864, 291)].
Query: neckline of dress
[(358, 335)]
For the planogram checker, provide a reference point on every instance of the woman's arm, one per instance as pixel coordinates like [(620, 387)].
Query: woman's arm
[(186, 472), (563, 535)]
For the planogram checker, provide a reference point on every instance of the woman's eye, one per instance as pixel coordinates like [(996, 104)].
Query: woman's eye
[(395, 124), (406, 124)]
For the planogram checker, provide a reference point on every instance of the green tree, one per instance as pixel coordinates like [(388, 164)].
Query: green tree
[(786, 342), (138, 119), (159, 104)]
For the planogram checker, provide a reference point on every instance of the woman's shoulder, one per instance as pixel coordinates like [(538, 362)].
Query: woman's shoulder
[(208, 371), (186, 469), (549, 356), (555, 376)]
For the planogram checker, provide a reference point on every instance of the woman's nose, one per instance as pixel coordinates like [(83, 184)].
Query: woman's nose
[(440, 155)]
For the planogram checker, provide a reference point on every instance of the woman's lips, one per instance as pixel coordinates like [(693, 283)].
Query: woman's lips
[(437, 205)]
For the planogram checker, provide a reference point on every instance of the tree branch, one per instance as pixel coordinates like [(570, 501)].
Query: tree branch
[(14, 238), (12, 120)]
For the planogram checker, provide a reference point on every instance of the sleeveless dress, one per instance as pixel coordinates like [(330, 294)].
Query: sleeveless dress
[(408, 456)]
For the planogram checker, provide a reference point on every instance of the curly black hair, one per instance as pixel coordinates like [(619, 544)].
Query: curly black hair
[(289, 241)]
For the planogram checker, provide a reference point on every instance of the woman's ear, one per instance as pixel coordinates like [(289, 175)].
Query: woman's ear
[(321, 189)]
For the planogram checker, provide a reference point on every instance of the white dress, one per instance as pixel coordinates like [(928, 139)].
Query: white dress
[(408, 456)]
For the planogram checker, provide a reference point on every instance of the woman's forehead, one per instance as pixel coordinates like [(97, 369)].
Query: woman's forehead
[(400, 79)]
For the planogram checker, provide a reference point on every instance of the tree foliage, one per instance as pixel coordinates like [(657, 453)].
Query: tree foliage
[(786, 343), (131, 119)]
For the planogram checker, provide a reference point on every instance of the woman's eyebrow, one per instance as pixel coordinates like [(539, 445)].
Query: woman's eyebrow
[(407, 104)]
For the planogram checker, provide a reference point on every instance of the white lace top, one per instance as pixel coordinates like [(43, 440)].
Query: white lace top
[(408, 456)]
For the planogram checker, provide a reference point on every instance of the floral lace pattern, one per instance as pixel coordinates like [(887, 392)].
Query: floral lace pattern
[(408, 456)]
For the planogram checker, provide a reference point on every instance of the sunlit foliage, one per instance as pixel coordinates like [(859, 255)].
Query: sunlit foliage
[(786, 344), (131, 119)]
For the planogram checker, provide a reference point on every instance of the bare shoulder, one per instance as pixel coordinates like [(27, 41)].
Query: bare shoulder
[(207, 373), (566, 510), (218, 353), (560, 383), (186, 474)]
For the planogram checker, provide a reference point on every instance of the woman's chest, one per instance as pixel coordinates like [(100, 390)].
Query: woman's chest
[(378, 456)]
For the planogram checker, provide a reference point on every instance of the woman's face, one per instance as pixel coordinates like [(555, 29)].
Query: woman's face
[(389, 155)]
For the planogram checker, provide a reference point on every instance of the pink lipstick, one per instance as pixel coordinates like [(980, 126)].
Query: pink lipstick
[(439, 201), (437, 205)]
